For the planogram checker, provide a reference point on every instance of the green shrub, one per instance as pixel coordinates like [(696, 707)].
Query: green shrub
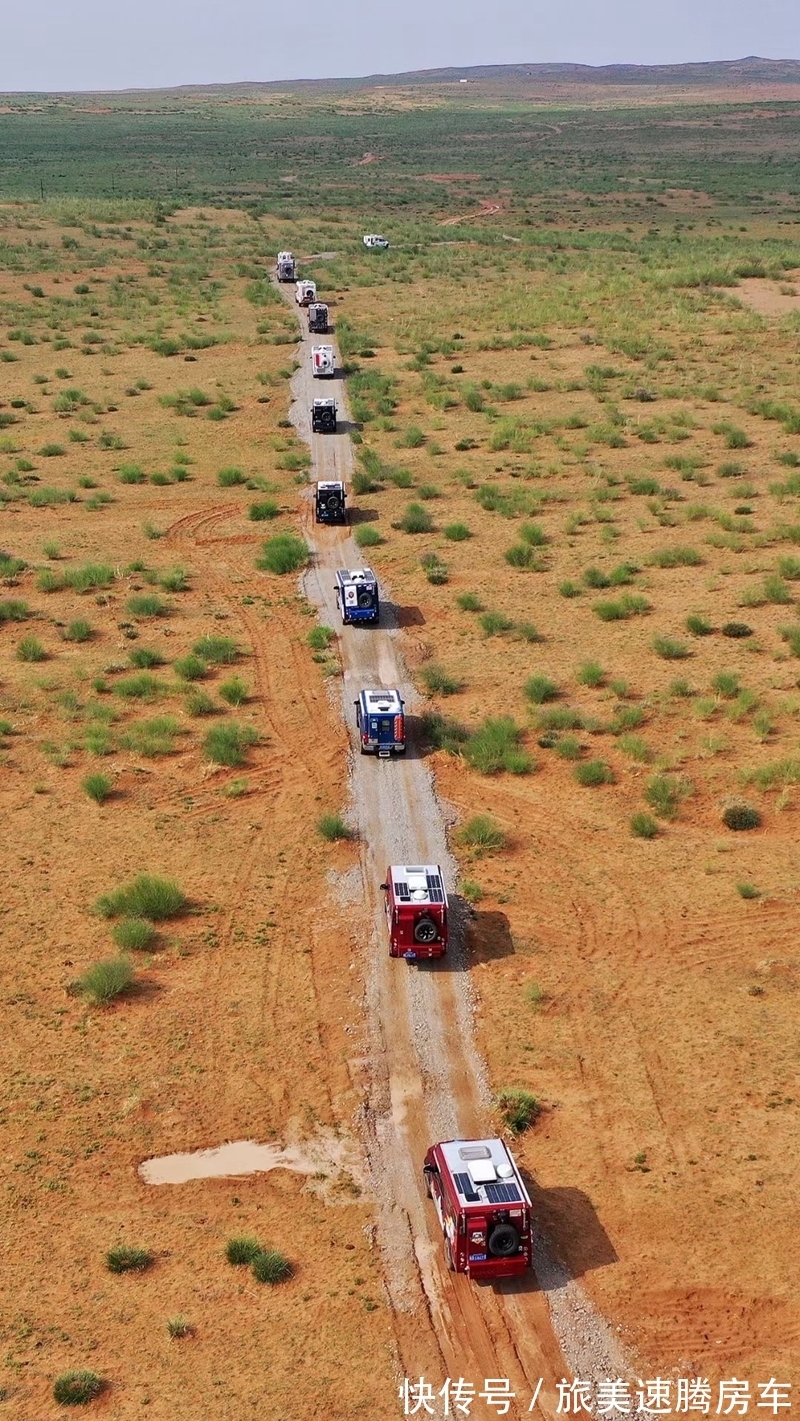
[(726, 684), (747, 890), (179, 1326), (591, 674), (482, 833), (227, 744), (77, 1388), (631, 604), (439, 682), (664, 794), (146, 896), (592, 773), (30, 649), (558, 718), (107, 979), (677, 557), (495, 746), (52, 451), (644, 826), (234, 691), (523, 555), (568, 748), (457, 532), (471, 891), (200, 703), (670, 649), (152, 738), (79, 631), (191, 667), (142, 687), (98, 787), (791, 635), (495, 623), (596, 579), (219, 650), (519, 1109), (242, 1250), (469, 602), (526, 631), (229, 478), (789, 568), (132, 474), (366, 536), (539, 689), (776, 590), (90, 577), (143, 658), (124, 1259), (698, 626), (333, 827), (146, 604), (48, 581), (739, 815), (263, 509), (569, 589), (133, 934), (413, 437), (416, 519), (175, 579), (442, 733), (320, 638), (13, 611), (270, 1266), (283, 554)]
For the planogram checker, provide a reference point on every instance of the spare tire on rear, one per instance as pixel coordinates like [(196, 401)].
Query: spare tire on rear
[(425, 930), (503, 1240)]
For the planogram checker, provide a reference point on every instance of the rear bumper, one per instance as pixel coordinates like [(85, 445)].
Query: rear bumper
[(498, 1268)]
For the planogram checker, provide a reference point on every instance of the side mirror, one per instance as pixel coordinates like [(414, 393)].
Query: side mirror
[(385, 887)]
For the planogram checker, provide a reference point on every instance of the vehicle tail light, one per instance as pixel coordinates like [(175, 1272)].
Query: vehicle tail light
[(398, 727)]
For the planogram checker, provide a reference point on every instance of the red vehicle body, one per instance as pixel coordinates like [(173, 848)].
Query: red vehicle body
[(416, 911), (483, 1208)]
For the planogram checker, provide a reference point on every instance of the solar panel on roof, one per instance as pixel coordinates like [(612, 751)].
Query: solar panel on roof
[(465, 1188), (503, 1194), (435, 888), (401, 889)]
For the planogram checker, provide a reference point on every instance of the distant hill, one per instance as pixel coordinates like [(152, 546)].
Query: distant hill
[(732, 72)]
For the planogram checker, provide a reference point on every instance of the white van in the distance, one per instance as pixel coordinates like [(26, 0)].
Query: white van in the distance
[(374, 241)]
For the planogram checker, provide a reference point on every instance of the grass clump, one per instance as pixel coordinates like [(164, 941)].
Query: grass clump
[(748, 890), (469, 602), (242, 1249), (664, 794), (219, 650), (200, 703), (483, 834), (78, 631), (133, 934), (283, 554), (107, 979), (229, 478), (191, 667), (12, 610), (263, 510), (416, 519), (591, 674), (30, 649), (179, 1326), (698, 626), (736, 630), (495, 747), (644, 826), (669, 648), (519, 1109), (495, 623), (539, 689), (332, 827), (98, 787), (367, 537), (439, 682), (89, 577), (677, 557), (270, 1266), (143, 658), (147, 604), (234, 691), (593, 773), (320, 638), (77, 1388), (124, 1259), (457, 532), (143, 687), (227, 744), (631, 604), (152, 738), (739, 815), (146, 896)]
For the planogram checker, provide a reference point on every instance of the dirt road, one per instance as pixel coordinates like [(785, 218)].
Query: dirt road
[(424, 1080)]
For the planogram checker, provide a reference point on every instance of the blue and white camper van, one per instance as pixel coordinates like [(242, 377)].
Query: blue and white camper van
[(381, 722), (357, 594)]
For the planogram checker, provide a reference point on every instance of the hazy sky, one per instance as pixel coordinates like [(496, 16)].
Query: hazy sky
[(105, 44)]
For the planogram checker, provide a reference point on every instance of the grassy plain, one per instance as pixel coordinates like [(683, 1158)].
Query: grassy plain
[(592, 394)]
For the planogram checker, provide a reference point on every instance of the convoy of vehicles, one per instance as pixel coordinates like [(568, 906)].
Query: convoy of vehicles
[(323, 362), (357, 594), (480, 1198), (323, 417), (381, 722), (318, 318), (330, 501), (416, 911), (483, 1207)]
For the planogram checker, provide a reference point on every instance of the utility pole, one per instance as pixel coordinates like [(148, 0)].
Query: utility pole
[(41, 187)]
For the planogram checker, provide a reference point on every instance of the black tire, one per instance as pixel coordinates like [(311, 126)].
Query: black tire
[(425, 930), (503, 1241)]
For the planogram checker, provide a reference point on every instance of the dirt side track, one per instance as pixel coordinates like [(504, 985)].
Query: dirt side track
[(424, 1080)]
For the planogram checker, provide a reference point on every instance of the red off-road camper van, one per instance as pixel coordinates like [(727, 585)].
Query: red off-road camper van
[(483, 1208), (416, 911)]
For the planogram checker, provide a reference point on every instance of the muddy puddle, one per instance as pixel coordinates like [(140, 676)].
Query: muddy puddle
[(327, 1160)]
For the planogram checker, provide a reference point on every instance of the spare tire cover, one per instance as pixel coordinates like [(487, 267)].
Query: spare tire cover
[(332, 503), (425, 930), (503, 1240)]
